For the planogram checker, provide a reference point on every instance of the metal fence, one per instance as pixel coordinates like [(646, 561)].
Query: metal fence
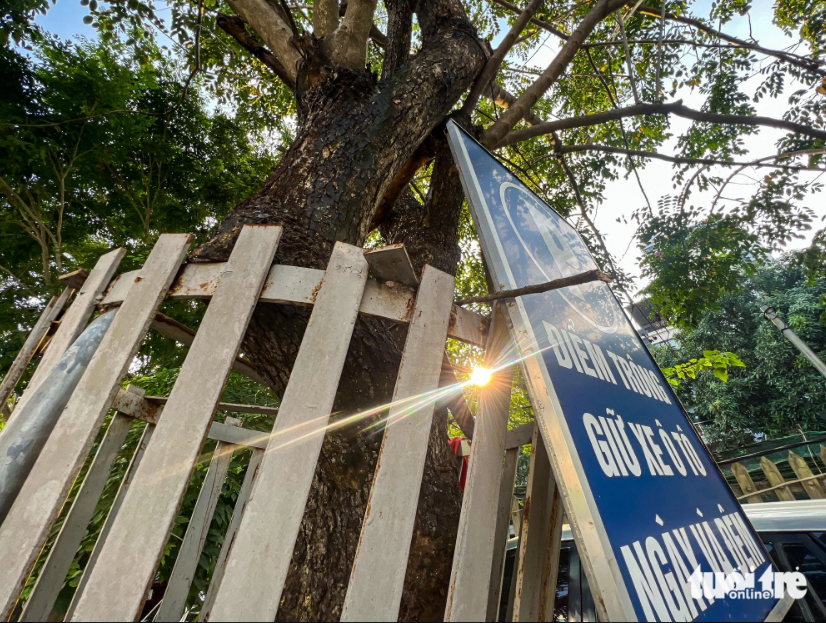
[(780, 477), (258, 545)]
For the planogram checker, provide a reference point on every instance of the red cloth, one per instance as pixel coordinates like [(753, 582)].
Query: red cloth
[(456, 445)]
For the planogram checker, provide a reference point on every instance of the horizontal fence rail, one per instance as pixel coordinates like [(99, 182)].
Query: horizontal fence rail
[(300, 286)]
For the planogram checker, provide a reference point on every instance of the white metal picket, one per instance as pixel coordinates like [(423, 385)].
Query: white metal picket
[(377, 578), (50, 581), (186, 564), (146, 437), (500, 541), (41, 327), (232, 530), (260, 556), (539, 541), (467, 597), (75, 318)]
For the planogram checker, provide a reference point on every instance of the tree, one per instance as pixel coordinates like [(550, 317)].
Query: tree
[(778, 392), (369, 110), (105, 144), (16, 18)]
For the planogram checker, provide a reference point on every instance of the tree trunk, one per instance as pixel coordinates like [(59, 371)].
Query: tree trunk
[(355, 136)]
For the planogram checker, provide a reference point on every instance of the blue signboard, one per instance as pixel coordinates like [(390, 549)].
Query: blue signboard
[(647, 504)]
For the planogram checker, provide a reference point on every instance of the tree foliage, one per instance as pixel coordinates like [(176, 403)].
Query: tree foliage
[(777, 392), (695, 256), (712, 361), (104, 145)]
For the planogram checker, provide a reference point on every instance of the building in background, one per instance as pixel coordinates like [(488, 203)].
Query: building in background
[(653, 328)]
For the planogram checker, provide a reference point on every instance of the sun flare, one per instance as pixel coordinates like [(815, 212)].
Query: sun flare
[(480, 376)]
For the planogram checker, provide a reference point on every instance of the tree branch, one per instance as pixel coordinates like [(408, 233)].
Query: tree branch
[(758, 163), (17, 279), (275, 32), (658, 83), (544, 25), (570, 149), (424, 153), (621, 126), (325, 17), (399, 34), (378, 37), (285, 12), (347, 45), (496, 132), (628, 60), (694, 44), (502, 98), (560, 156), (234, 26), (556, 284), (793, 59), (492, 66), (7, 190), (675, 108)]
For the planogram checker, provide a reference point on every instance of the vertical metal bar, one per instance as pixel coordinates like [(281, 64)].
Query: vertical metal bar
[(802, 470), (186, 564), (27, 525), (589, 614), (775, 478), (467, 597), (575, 577), (517, 520), (771, 315), (118, 583), (146, 437), (500, 543), (26, 353), (822, 455), (551, 570), (232, 530), (539, 543), (514, 575), (260, 556), (50, 581), (377, 579)]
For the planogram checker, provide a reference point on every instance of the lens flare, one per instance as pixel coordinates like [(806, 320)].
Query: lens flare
[(480, 376)]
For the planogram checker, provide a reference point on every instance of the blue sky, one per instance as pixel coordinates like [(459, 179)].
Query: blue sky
[(65, 19)]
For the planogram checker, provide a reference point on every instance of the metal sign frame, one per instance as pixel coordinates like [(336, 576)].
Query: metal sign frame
[(611, 593)]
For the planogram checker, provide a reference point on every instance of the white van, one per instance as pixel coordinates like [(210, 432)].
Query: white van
[(794, 534)]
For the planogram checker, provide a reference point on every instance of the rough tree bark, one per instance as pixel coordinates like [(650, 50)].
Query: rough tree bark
[(356, 145)]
